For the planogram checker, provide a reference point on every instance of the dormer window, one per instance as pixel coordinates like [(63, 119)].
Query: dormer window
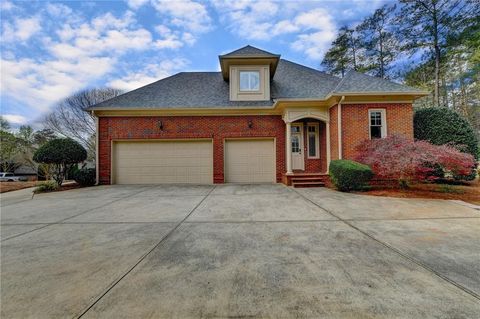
[(249, 71), (249, 81)]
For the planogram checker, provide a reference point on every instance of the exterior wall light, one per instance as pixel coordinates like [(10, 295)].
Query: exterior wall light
[(160, 125), (250, 124)]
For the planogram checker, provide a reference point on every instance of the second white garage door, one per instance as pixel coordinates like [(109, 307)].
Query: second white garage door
[(250, 161), (158, 162)]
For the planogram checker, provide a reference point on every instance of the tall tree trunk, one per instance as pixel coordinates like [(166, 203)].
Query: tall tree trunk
[(382, 64), (437, 57)]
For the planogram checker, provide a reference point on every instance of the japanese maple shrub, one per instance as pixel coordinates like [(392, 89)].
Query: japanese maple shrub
[(62, 154), (402, 159)]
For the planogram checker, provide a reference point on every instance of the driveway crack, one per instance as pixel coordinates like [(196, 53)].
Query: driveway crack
[(399, 252), (129, 270), (64, 219)]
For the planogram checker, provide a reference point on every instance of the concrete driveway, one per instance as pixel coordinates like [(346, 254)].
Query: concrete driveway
[(233, 251)]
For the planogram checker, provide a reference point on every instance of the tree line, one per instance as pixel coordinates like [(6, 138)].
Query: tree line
[(429, 44), (67, 119)]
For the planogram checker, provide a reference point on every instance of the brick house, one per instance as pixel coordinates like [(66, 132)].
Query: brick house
[(261, 119)]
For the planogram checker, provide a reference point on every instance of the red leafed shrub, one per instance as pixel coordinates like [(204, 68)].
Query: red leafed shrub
[(404, 160)]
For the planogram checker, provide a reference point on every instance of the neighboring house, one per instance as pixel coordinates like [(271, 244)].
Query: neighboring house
[(27, 172), (261, 119)]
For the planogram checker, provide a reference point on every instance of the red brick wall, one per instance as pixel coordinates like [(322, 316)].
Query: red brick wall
[(216, 127), (355, 123), (334, 132)]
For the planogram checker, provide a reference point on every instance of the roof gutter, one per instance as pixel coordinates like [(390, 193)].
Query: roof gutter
[(339, 127)]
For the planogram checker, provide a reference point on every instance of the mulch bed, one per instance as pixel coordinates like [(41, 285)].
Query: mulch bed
[(469, 192), (15, 186)]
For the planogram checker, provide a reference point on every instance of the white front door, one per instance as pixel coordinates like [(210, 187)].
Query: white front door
[(298, 161)]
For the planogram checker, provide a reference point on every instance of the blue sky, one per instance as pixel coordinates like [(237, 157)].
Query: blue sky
[(52, 49)]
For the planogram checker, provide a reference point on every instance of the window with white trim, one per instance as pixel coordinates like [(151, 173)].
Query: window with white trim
[(313, 140), (249, 80), (378, 123)]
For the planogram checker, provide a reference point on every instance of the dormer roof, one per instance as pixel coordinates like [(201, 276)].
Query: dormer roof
[(248, 55)]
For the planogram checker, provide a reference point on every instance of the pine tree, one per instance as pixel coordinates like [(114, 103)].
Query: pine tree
[(343, 55), (377, 38), (425, 24)]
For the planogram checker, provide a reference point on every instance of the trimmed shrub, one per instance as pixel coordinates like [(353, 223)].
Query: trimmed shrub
[(62, 154), (348, 175), (441, 126), (404, 160), (48, 186), (85, 177)]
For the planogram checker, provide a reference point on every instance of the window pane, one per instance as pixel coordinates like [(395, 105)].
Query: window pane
[(254, 81), (375, 118), (295, 144), (243, 81), (376, 131), (295, 129), (249, 81), (312, 145)]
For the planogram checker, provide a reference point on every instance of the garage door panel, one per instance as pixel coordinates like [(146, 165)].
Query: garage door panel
[(250, 161), (157, 162)]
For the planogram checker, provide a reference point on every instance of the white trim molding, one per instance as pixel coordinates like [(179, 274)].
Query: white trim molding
[(292, 115)]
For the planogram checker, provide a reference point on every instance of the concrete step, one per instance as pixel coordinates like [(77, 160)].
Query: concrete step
[(308, 184)]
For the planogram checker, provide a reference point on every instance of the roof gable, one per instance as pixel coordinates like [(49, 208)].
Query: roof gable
[(249, 51)]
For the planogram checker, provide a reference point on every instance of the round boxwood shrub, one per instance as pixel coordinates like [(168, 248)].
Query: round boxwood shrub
[(349, 175), (85, 176), (62, 154), (443, 126)]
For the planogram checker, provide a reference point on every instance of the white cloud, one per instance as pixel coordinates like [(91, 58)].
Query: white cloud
[(151, 73), (6, 5), (248, 19), (83, 52), (135, 4), (58, 10), (313, 29), (39, 84), (316, 43), (21, 29), (187, 14), (172, 39), (15, 119)]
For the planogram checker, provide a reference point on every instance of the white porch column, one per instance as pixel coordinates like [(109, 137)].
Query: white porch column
[(329, 158), (288, 154)]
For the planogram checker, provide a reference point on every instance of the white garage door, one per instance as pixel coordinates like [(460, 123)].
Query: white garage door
[(157, 162), (250, 161)]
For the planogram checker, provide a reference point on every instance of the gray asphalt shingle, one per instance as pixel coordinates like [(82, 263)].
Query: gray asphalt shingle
[(359, 82), (210, 90), (250, 51)]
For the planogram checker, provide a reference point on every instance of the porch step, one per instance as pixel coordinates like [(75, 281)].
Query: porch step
[(309, 180), (308, 184)]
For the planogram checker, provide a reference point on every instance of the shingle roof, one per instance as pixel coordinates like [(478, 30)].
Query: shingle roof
[(210, 90), (355, 82), (249, 51), (294, 80)]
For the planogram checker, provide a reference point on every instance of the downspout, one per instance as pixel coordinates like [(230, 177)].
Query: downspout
[(339, 127), (97, 138)]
